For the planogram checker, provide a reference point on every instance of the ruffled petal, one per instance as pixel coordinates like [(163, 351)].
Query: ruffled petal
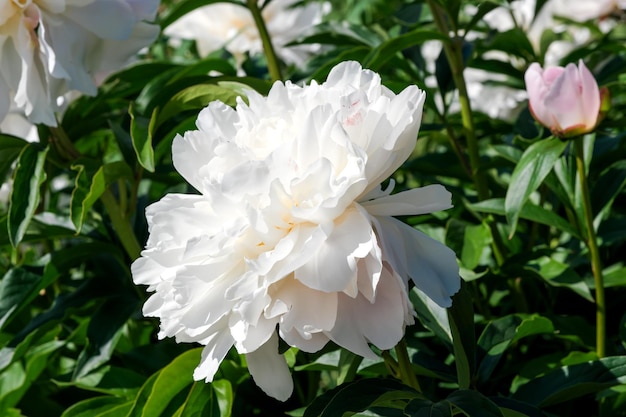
[(270, 371), (411, 202), (430, 264), (217, 346), (334, 266)]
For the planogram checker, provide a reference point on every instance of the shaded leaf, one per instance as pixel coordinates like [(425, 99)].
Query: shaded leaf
[(501, 332), (357, 396), (93, 406), (559, 274), (382, 53), (104, 330), (535, 164), (570, 382), (141, 135), (28, 176), (530, 212), (18, 288), (89, 186), (461, 316), (10, 148), (473, 403)]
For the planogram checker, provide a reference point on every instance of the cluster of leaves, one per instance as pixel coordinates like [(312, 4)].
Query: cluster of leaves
[(519, 339)]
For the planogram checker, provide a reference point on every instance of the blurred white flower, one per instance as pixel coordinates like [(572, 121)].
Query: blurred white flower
[(487, 91), (291, 229), (48, 48), (583, 10), (232, 27)]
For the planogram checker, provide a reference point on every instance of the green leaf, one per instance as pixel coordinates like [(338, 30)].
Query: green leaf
[(500, 333), (10, 148), (160, 89), (514, 42), (473, 403), (380, 55), (93, 407), (89, 186), (513, 408), (426, 408), (156, 394), (327, 362), (103, 332), (18, 288), (28, 176), (610, 183), (17, 379), (196, 97), (358, 396), (570, 382), (559, 274), (530, 212), (535, 164), (483, 8), (348, 365), (468, 241), (461, 316), (141, 134), (111, 380), (432, 316), (201, 401)]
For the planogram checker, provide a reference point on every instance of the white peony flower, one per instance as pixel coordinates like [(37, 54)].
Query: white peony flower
[(291, 229), (50, 47), (231, 26)]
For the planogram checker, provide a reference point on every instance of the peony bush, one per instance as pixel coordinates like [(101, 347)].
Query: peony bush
[(314, 208)]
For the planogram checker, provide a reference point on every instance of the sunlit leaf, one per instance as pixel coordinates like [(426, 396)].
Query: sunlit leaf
[(535, 164)]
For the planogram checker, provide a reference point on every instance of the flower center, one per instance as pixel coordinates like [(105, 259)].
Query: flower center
[(22, 4), (14, 13)]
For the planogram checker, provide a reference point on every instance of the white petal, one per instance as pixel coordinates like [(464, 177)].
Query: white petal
[(270, 371), (382, 322), (108, 19), (302, 308), (212, 355), (334, 266), (430, 264), (411, 202), (5, 102)]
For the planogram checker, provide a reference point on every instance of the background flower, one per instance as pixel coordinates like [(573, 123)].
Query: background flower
[(231, 26), (292, 229), (566, 100), (48, 48)]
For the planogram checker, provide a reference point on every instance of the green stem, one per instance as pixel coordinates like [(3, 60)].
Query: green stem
[(121, 225), (391, 364), (592, 244), (273, 65), (404, 366), (453, 52)]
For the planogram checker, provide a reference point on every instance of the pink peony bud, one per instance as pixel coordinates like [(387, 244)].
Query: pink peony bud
[(565, 100)]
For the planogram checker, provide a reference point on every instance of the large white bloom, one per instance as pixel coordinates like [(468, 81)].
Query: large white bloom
[(291, 228), (231, 26), (48, 47)]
